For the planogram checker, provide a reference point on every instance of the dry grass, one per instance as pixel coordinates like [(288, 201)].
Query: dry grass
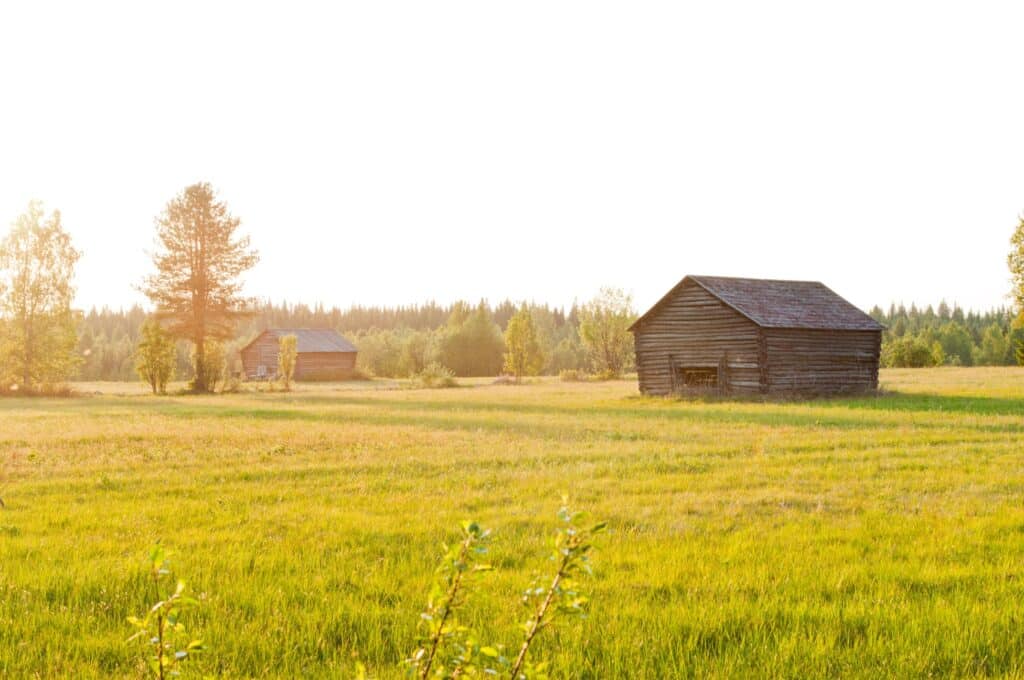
[(861, 537)]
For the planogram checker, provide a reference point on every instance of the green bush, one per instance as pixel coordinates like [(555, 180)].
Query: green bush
[(214, 362), (911, 352), (436, 375)]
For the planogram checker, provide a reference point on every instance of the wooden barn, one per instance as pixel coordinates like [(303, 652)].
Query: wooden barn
[(321, 355), (754, 336)]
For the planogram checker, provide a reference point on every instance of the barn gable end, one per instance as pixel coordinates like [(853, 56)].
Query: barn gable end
[(692, 329)]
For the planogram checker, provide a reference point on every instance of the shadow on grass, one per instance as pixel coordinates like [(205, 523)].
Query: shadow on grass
[(613, 421), (932, 403), (605, 420)]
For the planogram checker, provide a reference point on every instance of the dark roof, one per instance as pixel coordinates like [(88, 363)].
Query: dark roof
[(780, 304), (313, 339)]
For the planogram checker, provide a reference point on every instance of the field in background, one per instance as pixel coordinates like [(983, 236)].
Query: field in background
[(861, 537)]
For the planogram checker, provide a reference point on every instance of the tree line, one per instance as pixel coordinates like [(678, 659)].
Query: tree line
[(944, 335), (200, 319), (470, 339)]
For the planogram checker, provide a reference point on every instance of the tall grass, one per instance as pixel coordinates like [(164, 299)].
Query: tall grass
[(869, 537)]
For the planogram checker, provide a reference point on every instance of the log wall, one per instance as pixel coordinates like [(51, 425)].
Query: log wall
[(696, 329), (806, 361), (325, 365)]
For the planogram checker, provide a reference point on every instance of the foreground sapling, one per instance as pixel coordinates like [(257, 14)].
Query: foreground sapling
[(161, 628), (562, 596), (448, 649)]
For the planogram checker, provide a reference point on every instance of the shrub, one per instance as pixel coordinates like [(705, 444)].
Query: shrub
[(436, 375), (232, 385), (911, 352), (361, 373), (571, 375), (58, 389), (213, 365)]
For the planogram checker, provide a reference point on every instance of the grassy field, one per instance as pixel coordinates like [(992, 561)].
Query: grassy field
[(871, 537)]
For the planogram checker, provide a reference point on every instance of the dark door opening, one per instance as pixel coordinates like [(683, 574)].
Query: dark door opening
[(698, 376)]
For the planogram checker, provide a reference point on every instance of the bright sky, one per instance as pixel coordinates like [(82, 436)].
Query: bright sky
[(396, 152)]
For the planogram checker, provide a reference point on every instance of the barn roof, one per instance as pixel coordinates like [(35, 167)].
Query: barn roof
[(780, 304), (313, 339)]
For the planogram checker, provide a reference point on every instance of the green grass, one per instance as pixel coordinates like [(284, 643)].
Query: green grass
[(870, 537)]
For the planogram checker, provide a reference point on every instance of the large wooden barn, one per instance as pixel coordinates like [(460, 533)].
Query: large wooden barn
[(321, 355), (754, 336)]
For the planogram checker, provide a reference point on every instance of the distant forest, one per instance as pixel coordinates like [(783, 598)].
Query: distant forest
[(945, 335), (392, 341), (400, 341)]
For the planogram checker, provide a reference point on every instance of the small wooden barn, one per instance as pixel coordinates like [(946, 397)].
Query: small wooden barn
[(321, 355), (755, 336)]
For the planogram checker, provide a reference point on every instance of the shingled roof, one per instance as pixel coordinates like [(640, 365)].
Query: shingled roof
[(780, 304), (314, 339)]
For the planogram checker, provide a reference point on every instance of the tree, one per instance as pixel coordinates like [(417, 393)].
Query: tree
[(912, 351), (287, 352), (604, 330), (37, 264), (155, 356), (196, 287), (213, 365), (523, 354), (1015, 260), (994, 348), (957, 343), (472, 342), (416, 353)]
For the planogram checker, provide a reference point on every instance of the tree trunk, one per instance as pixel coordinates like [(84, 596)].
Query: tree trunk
[(199, 383)]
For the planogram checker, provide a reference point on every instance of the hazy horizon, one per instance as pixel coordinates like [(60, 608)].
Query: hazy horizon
[(395, 154)]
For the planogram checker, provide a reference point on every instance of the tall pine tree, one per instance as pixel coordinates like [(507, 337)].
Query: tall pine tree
[(196, 288)]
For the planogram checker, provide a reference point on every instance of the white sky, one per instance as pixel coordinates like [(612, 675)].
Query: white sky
[(393, 152)]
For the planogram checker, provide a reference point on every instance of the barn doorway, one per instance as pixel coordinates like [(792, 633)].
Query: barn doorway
[(698, 377)]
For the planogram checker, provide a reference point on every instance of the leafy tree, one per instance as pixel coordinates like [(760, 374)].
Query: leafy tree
[(957, 343), (523, 354), (568, 354), (472, 345), (379, 353), (1017, 339), (155, 356), (994, 348), (196, 287), (604, 330), (37, 264), (417, 352), (213, 365), (1015, 260), (287, 353)]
